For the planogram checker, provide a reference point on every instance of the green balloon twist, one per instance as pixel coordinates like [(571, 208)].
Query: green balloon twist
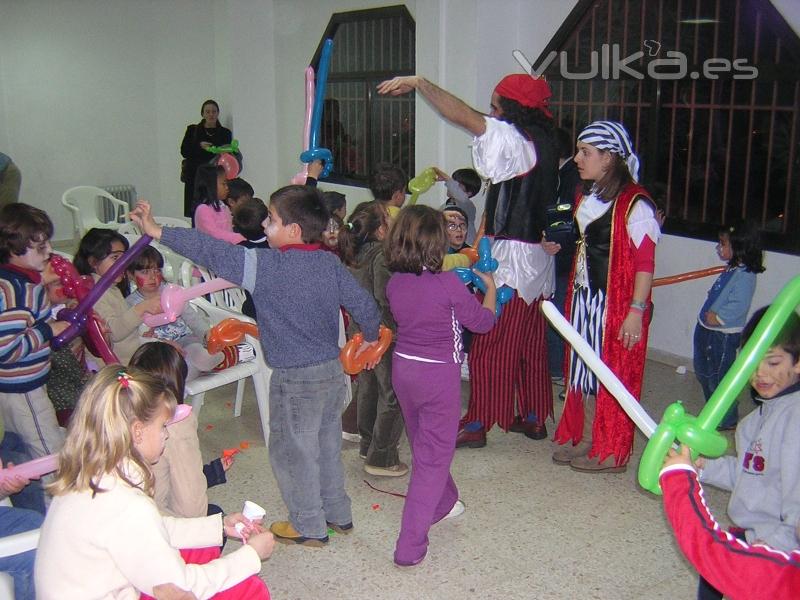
[(700, 433)]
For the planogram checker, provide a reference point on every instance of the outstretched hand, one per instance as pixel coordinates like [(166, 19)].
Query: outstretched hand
[(370, 364), (142, 216), (398, 86)]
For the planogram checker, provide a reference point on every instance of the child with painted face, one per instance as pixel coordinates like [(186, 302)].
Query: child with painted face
[(188, 331), (99, 249), (104, 537), (764, 477)]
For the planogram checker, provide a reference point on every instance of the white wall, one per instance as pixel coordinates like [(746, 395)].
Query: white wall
[(100, 92)]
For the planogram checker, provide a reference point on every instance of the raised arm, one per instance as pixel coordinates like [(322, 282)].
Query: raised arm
[(446, 104)]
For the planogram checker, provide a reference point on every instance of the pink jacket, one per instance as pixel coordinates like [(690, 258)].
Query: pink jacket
[(218, 224)]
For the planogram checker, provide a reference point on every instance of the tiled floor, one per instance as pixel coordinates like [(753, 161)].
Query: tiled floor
[(531, 530)]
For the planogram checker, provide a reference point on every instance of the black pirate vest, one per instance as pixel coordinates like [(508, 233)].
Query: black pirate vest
[(517, 208)]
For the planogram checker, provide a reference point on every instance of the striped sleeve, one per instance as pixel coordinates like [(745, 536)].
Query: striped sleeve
[(20, 333), (732, 566)]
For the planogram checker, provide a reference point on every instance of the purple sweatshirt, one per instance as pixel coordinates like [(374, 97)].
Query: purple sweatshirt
[(297, 294), (430, 310)]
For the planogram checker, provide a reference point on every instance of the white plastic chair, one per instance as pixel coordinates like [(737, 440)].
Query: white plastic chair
[(257, 369), (85, 202), (173, 263), (11, 545), (131, 228), (231, 298)]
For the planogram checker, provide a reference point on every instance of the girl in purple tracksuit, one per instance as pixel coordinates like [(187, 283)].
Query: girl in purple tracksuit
[(430, 308)]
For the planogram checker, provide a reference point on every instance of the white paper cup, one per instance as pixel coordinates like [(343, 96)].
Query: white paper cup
[(252, 511)]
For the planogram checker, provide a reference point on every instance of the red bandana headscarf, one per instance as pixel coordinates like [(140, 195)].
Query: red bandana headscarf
[(527, 90)]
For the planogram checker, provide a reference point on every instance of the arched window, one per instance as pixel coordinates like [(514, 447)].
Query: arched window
[(360, 127), (710, 91)]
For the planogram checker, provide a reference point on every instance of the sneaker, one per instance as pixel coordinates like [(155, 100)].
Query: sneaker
[(458, 509), (397, 470), (345, 529), (351, 437), (285, 533)]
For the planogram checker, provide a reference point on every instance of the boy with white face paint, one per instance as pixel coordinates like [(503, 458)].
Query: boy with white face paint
[(297, 289), (763, 476)]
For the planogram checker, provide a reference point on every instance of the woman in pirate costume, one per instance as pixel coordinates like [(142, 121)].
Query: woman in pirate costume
[(610, 303)]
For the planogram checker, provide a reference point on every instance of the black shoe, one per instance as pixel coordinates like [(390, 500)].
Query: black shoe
[(532, 429), (471, 439), (345, 529)]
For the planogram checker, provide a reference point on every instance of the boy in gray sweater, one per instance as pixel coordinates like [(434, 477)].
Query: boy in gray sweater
[(297, 289), (764, 476)]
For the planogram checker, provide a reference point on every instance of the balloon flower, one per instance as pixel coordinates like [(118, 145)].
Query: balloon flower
[(700, 433), (353, 364), (421, 184), (175, 297), (229, 332), (313, 151), (78, 317)]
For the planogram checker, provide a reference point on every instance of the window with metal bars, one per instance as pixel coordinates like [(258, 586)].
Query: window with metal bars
[(715, 124), (360, 127)]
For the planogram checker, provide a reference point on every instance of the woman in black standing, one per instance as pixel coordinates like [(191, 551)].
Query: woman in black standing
[(194, 149)]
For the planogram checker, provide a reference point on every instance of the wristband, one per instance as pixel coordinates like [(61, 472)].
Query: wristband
[(636, 309), (642, 306)]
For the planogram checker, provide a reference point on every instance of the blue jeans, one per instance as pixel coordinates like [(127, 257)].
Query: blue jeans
[(714, 353), (12, 449), (19, 566), (305, 444), (555, 343)]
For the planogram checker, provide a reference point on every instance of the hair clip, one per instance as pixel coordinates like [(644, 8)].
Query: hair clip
[(349, 225), (123, 378)]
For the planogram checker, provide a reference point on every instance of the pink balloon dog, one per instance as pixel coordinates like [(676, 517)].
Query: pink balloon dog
[(300, 178), (174, 299)]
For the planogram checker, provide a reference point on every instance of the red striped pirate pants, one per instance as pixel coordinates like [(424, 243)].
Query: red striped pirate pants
[(508, 361)]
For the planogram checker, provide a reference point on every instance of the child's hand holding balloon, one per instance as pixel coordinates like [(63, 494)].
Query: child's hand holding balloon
[(142, 216)]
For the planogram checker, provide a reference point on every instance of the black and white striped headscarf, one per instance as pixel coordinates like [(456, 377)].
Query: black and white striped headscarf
[(612, 136)]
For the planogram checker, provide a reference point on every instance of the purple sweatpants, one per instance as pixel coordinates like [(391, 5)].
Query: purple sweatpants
[(430, 399)]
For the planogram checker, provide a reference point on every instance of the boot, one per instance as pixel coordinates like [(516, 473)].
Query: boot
[(565, 454), (584, 464)]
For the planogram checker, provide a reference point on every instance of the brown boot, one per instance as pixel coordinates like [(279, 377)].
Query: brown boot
[(584, 464), (565, 454)]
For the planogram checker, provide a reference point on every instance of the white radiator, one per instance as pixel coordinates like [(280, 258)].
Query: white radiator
[(126, 193)]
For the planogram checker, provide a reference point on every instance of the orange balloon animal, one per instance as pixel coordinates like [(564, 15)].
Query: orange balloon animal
[(687, 276), (353, 364), (470, 253), (229, 332)]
